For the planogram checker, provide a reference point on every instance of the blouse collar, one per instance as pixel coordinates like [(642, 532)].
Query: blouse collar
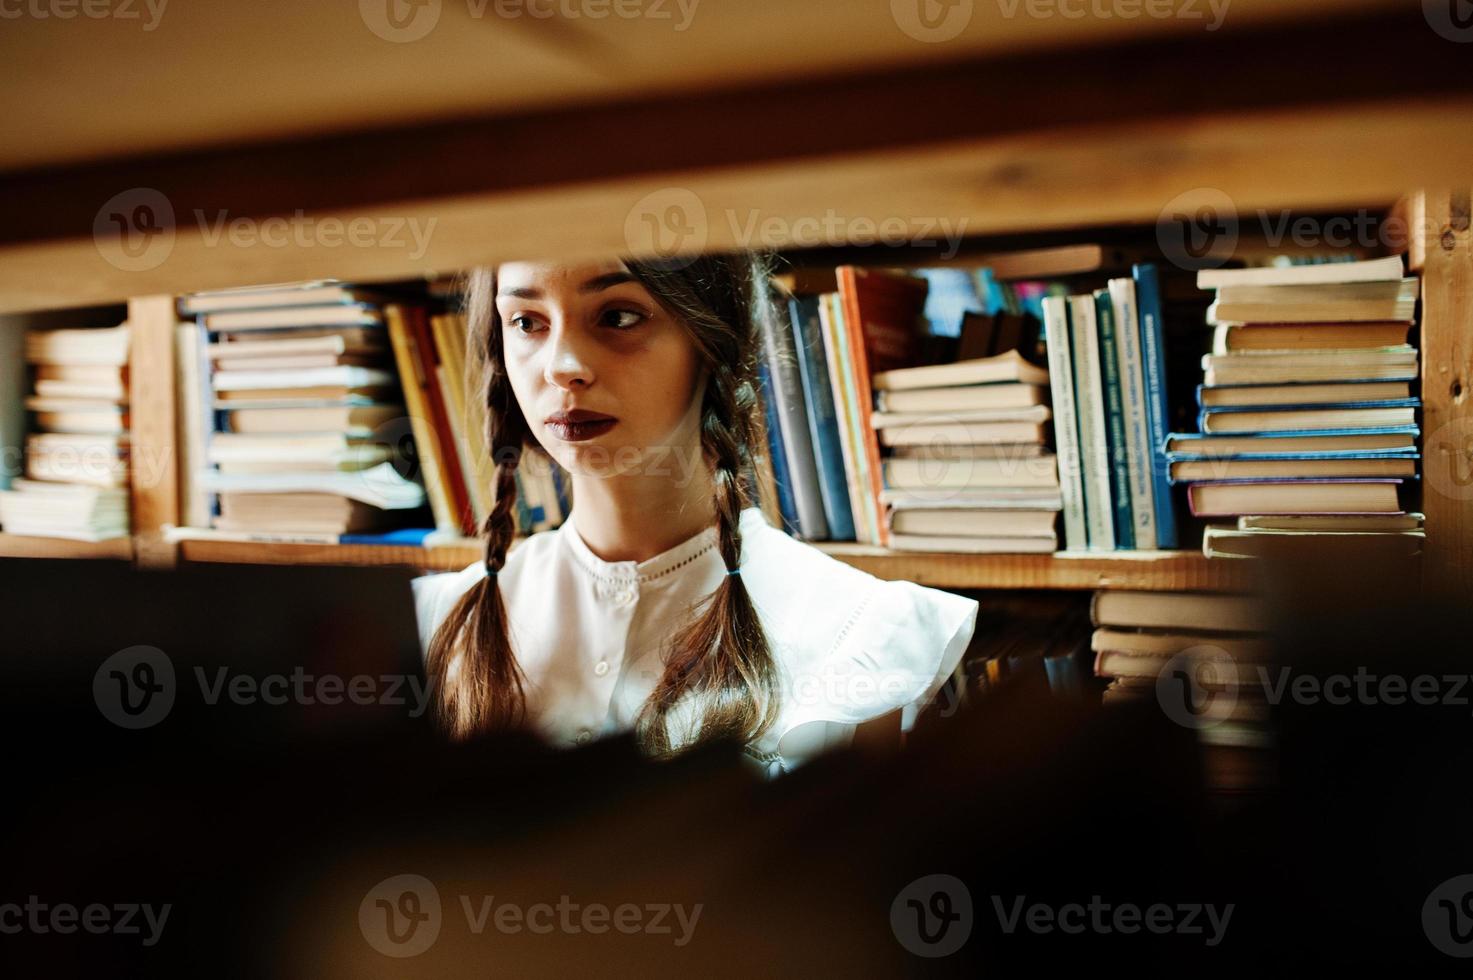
[(660, 565)]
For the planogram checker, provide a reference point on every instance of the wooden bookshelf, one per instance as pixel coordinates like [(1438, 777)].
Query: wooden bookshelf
[(1020, 126), (25, 546)]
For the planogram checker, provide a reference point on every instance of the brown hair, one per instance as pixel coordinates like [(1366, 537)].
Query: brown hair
[(721, 658)]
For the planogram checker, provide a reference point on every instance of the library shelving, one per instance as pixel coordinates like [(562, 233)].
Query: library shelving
[(1016, 125)]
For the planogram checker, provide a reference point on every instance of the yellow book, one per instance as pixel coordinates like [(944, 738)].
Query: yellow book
[(426, 445)]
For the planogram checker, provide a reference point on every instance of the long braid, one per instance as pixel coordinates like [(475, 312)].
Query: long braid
[(722, 659), (479, 685)]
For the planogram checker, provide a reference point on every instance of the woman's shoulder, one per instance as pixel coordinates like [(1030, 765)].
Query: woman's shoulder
[(852, 646)]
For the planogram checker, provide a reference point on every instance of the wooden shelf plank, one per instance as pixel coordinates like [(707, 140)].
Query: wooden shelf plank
[(1169, 570), (1156, 571), (27, 546), (443, 559)]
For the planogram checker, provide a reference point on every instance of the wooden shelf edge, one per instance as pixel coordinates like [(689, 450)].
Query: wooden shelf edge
[(444, 559), (1160, 571), (27, 546)]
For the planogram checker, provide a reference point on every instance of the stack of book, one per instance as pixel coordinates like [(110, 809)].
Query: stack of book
[(1107, 369), (1308, 422), (77, 452), (299, 434), (1202, 660), (968, 468)]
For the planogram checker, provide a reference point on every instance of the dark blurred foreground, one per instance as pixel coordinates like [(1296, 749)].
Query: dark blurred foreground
[(1021, 836)]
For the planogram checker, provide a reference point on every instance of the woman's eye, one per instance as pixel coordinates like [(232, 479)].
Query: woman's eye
[(623, 319), (522, 323)]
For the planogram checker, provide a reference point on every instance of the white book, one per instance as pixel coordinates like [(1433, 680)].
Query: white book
[(1089, 399), (381, 486), (1370, 270), (1133, 399), (1066, 423), (346, 376)]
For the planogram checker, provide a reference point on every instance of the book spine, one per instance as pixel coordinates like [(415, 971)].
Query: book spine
[(792, 415), (419, 419), (453, 473), (861, 505), (1066, 432), (786, 506), (1089, 402), (823, 426), (1133, 400), (1153, 354), (1115, 423)]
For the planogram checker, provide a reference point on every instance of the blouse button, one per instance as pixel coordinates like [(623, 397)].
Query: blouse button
[(601, 668), (583, 737)]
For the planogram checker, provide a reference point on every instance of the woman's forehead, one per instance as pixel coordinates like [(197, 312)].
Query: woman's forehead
[(557, 275)]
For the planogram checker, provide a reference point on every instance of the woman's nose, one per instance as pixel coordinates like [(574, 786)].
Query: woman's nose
[(567, 365)]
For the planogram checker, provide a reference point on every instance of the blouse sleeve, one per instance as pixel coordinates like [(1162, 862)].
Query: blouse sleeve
[(433, 597), (898, 649)]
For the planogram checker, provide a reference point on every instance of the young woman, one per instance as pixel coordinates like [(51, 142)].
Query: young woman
[(665, 604)]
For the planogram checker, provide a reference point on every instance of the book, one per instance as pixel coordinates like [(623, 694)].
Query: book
[(1365, 465), (1229, 337), (359, 419), (316, 293), (1009, 366), (792, 419), (863, 505), (1116, 447), (1331, 522), (881, 312), (979, 523), (1297, 395), (1153, 361), (1329, 303), (1038, 471), (1134, 397), (892, 420), (961, 433), (101, 346), (426, 441), (1388, 268), (1385, 364), (1236, 419), (960, 398), (1039, 544), (1196, 445), (1185, 612), (823, 423), (1089, 401), (380, 486), (1066, 421), (347, 315), (1322, 496), (777, 456), (1317, 546)]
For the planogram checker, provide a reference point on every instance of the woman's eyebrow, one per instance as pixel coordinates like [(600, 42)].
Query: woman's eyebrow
[(597, 284)]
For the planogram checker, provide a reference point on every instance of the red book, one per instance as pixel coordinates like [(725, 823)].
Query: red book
[(883, 318), (428, 355)]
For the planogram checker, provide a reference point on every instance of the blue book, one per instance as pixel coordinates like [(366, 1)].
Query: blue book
[(1115, 424), (823, 421), (1153, 353), (785, 503), (1324, 406), (405, 535)]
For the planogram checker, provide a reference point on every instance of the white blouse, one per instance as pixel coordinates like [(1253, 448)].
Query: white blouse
[(589, 633)]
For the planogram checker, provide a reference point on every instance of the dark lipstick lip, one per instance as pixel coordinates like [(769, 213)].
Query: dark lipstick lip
[(578, 415), (581, 431)]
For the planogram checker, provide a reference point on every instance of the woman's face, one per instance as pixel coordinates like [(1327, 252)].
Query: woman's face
[(590, 338)]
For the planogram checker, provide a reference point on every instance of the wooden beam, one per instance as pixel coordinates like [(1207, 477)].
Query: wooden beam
[(153, 458), (1447, 403)]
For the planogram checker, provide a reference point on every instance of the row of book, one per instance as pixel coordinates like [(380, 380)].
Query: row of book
[(872, 441), (1107, 370), (77, 446), (1196, 657), (334, 413), (1307, 413)]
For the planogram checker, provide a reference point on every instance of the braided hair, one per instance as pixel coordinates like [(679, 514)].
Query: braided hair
[(721, 661)]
